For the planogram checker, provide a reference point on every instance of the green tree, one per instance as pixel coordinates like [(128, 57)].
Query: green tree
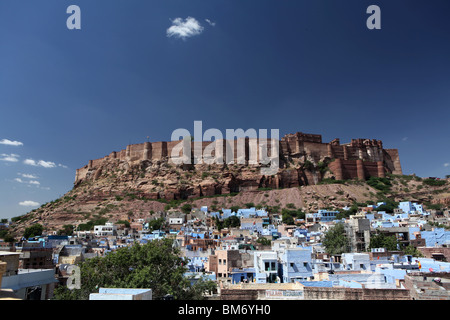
[(67, 230), (235, 208), (410, 250), (6, 236), (156, 265), (157, 224), (434, 182), (232, 222), (388, 207), (287, 219), (186, 208), (264, 241), (90, 224), (288, 216), (382, 184), (219, 223), (335, 240), (124, 222), (33, 231), (382, 241)]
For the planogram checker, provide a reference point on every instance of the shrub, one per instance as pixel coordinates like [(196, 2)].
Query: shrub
[(434, 182), (382, 184), (249, 204), (186, 208), (33, 231)]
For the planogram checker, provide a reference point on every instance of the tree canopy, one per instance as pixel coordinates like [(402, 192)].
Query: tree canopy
[(155, 265), (33, 231), (230, 222), (157, 224), (382, 241), (335, 240)]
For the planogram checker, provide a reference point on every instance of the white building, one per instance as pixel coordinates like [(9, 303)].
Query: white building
[(266, 262), (121, 294), (109, 229), (178, 220)]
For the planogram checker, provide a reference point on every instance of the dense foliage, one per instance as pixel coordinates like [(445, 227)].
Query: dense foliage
[(382, 184), (264, 241), (383, 241), (33, 231), (290, 213), (155, 265), (434, 182), (335, 240), (230, 222), (388, 207), (157, 224)]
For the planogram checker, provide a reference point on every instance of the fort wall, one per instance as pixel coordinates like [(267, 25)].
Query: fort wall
[(361, 158)]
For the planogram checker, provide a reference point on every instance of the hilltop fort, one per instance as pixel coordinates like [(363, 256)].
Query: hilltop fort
[(304, 159)]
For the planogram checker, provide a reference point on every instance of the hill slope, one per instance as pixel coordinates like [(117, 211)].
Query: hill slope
[(90, 202)]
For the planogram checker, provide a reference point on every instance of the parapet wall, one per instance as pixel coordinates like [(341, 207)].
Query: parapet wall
[(317, 293), (320, 293)]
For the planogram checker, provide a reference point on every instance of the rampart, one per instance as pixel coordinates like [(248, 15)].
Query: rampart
[(361, 158)]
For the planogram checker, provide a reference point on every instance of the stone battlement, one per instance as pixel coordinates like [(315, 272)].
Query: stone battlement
[(361, 158)]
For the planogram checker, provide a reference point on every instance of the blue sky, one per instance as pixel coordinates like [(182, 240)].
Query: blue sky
[(68, 96)]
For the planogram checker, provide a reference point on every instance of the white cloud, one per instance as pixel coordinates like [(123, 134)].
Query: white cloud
[(186, 28), (30, 162), (46, 164), (30, 182), (9, 157), (28, 176), (405, 138), (210, 22), (62, 166), (11, 143), (446, 164), (40, 163), (29, 203)]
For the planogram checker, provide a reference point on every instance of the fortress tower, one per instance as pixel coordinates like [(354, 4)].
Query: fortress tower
[(361, 158)]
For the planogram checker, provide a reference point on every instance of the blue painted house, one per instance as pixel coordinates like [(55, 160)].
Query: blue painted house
[(246, 275), (296, 264)]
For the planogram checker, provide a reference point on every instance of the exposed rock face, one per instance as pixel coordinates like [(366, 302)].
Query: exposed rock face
[(149, 169)]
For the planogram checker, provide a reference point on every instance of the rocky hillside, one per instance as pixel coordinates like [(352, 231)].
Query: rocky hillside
[(120, 195)]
